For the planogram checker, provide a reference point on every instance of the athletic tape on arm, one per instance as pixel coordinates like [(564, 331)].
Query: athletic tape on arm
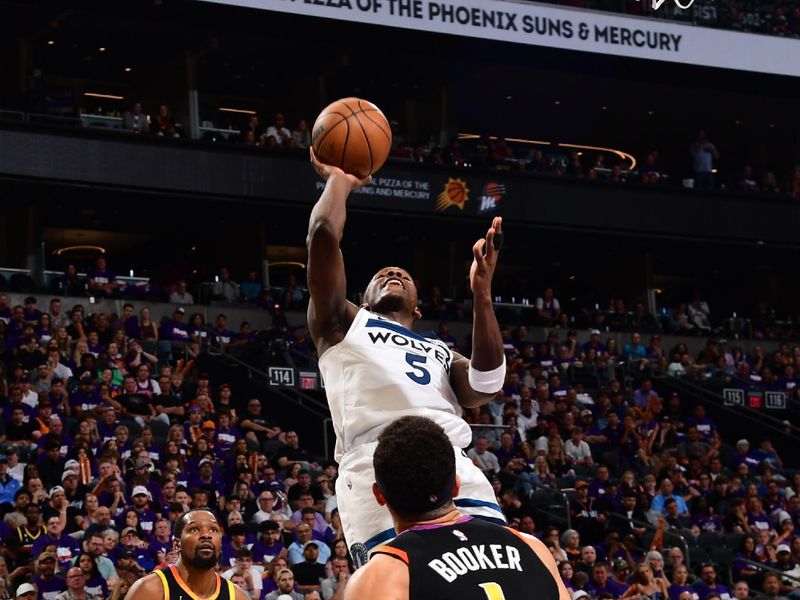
[(487, 382)]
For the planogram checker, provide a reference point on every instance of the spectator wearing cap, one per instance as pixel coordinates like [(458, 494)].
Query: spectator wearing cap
[(67, 547), (788, 568), (26, 591), (58, 506), (585, 516), (309, 573), (207, 481), (130, 541), (8, 484), (285, 591), (303, 534), (85, 398), (594, 343), (48, 585), (140, 502), (74, 490), (193, 426), (143, 474)]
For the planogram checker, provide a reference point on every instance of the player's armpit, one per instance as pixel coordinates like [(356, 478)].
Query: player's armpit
[(383, 578), (459, 380)]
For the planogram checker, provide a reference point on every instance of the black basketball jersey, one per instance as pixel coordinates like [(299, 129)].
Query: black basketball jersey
[(175, 588), (470, 560)]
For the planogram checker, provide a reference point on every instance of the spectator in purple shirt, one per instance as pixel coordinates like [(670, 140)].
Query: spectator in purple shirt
[(48, 585), (102, 280), (30, 313), (601, 583), (699, 419)]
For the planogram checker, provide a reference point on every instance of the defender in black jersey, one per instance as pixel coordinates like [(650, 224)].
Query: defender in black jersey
[(198, 540), (439, 553)]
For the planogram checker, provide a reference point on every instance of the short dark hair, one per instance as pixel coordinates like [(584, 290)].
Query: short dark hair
[(415, 466), (181, 522), (244, 552)]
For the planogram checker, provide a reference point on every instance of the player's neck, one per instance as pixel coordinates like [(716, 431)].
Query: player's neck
[(450, 517), (203, 582), (401, 317)]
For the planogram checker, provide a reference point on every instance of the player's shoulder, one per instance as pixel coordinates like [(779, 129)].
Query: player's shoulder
[(383, 577), (148, 587)]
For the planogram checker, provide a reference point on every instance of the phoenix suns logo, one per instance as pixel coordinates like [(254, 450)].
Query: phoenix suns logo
[(455, 193)]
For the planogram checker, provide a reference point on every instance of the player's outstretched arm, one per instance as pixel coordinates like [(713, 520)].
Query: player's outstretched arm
[(146, 588), (329, 312), (473, 380)]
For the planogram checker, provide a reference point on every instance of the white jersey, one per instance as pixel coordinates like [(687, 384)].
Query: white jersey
[(382, 371)]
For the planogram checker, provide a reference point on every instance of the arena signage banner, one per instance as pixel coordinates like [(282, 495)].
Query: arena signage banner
[(559, 27)]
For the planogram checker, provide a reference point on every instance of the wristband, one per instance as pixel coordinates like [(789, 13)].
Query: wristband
[(487, 382)]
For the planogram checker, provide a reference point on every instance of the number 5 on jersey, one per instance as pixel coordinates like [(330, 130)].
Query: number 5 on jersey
[(493, 591), (419, 375)]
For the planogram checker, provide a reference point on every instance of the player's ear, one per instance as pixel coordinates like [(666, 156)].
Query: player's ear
[(417, 313), (376, 491), (456, 486)]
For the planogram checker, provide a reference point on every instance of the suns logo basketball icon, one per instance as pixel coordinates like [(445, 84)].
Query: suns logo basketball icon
[(491, 194), (460, 535), (455, 193)]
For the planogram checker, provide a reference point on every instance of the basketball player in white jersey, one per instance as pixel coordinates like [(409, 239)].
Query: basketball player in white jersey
[(376, 369)]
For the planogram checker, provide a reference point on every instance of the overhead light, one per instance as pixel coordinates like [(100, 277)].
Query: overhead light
[(79, 248), (772, 125), (237, 110), (738, 122), (99, 95), (557, 102), (603, 108), (627, 156), (650, 112), (508, 97), (51, 42), (572, 277), (713, 170), (128, 69), (101, 49)]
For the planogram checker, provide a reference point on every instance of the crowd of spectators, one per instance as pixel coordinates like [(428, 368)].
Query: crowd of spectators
[(110, 431), (489, 152), (647, 478)]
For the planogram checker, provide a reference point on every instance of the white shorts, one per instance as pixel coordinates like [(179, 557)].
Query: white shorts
[(367, 524)]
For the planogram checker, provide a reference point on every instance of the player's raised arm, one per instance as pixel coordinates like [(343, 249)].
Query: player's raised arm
[(329, 312), (478, 380)]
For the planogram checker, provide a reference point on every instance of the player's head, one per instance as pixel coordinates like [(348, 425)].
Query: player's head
[(198, 538), (415, 469), (392, 290)]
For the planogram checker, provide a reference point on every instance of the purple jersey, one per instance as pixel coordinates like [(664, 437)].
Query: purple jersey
[(49, 588)]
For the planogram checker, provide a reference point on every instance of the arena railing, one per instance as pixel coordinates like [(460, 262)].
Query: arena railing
[(652, 529), (768, 569)]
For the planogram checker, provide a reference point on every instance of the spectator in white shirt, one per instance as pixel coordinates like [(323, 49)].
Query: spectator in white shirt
[(577, 451), (180, 295), (485, 460), (278, 134)]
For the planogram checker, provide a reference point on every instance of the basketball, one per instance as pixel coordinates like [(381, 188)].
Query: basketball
[(352, 134)]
